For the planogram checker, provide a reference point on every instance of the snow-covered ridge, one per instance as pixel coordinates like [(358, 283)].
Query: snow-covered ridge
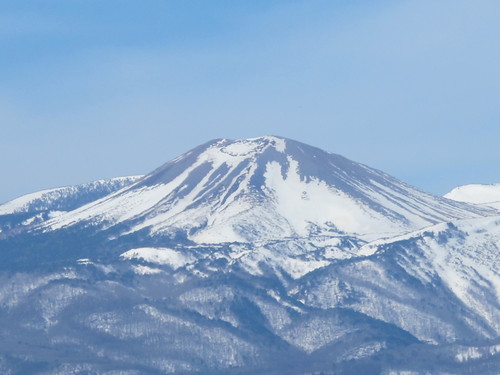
[(64, 198), (456, 253), (476, 193)]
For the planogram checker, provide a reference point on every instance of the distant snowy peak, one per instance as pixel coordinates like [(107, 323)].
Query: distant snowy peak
[(65, 198), (264, 189), (476, 193)]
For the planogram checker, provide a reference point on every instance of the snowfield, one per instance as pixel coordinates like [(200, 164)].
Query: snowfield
[(488, 195)]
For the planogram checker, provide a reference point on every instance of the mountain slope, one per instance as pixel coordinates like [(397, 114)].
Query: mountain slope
[(265, 189), (441, 284)]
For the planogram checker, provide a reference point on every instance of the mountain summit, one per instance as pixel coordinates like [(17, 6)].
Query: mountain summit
[(264, 189)]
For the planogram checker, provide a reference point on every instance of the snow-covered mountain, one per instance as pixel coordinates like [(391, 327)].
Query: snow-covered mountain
[(265, 189), (488, 195), (257, 256), (34, 208)]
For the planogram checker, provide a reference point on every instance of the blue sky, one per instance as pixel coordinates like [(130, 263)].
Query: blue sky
[(94, 89)]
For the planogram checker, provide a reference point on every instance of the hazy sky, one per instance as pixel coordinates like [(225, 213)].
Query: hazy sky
[(93, 89)]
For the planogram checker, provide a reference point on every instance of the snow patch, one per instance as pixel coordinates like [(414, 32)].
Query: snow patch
[(160, 255), (145, 270), (471, 353)]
